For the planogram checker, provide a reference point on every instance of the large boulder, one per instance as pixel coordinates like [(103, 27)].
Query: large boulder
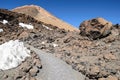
[(95, 28)]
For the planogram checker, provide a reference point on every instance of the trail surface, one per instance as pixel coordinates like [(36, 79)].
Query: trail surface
[(54, 68)]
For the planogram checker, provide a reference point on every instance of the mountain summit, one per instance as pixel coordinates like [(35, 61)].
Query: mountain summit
[(42, 15)]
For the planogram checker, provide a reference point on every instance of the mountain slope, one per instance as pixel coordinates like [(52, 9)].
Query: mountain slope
[(96, 59), (44, 16)]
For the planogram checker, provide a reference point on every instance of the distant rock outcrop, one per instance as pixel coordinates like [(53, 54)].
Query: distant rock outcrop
[(95, 28), (42, 15)]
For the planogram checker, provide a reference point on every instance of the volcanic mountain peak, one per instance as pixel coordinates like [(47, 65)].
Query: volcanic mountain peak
[(42, 15)]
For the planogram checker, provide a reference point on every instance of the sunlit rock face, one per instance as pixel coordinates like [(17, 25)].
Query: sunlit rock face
[(95, 28)]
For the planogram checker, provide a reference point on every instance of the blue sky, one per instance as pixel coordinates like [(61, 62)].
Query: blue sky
[(73, 11)]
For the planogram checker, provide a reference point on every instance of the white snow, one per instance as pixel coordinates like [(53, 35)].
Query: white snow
[(55, 45), (4, 21), (43, 42), (1, 30), (47, 27), (28, 26), (12, 53)]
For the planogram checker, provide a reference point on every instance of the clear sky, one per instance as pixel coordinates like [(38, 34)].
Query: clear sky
[(73, 11)]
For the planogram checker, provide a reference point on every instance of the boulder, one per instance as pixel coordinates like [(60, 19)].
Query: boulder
[(23, 35), (95, 28), (109, 78), (109, 56), (34, 71), (112, 78)]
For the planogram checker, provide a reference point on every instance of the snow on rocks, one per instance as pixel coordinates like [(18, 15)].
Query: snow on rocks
[(12, 53), (43, 42), (1, 30), (47, 27), (55, 45), (28, 26), (4, 21)]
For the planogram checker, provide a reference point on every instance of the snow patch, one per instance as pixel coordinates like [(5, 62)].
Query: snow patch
[(47, 27), (28, 26), (12, 53), (43, 42), (1, 30), (55, 45), (4, 21)]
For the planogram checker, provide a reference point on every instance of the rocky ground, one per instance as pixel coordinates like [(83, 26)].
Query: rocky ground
[(97, 59)]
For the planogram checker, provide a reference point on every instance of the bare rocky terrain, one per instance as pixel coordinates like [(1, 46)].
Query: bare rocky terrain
[(96, 54), (42, 15)]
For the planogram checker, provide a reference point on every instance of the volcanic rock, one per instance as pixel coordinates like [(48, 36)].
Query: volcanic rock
[(109, 56), (95, 28), (94, 58), (12, 30), (109, 78), (34, 71)]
